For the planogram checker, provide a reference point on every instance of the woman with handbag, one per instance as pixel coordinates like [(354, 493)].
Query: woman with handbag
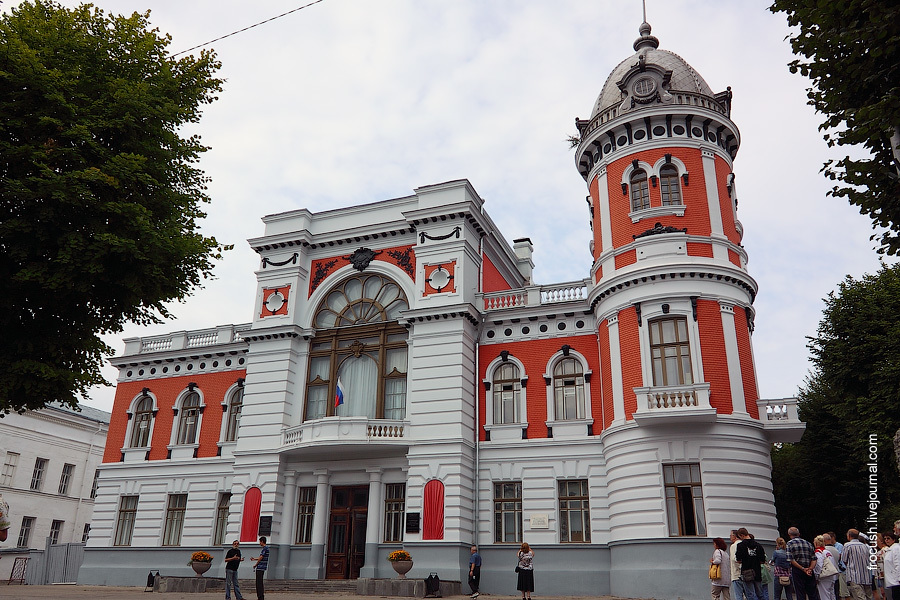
[(525, 569), (720, 571), (826, 570), (782, 570)]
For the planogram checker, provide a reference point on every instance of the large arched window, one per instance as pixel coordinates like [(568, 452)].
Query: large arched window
[(359, 350), (669, 186), (568, 389), (235, 404), (143, 422), (640, 191), (189, 419), (506, 387)]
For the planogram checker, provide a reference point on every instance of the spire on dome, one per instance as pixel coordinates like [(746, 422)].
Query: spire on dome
[(646, 40)]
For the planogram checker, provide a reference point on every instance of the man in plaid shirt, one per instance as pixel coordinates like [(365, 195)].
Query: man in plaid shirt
[(803, 560)]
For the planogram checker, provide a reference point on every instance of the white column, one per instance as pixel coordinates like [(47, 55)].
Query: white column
[(316, 566), (615, 368), (605, 222), (713, 204), (289, 511), (373, 523), (735, 376)]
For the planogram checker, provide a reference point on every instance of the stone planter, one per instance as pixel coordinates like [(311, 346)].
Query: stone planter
[(402, 567), (200, 567)]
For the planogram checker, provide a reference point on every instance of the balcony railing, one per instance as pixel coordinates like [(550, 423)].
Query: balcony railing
[(535, 295), (781, 419), (179, 340), (689, 401), (342, 430)]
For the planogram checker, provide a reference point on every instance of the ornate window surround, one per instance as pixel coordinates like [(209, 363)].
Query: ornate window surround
[(568, 427), (505, 431)]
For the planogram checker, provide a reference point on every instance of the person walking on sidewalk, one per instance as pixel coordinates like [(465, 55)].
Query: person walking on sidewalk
[(262, 563), (233, 560), (474, 571)]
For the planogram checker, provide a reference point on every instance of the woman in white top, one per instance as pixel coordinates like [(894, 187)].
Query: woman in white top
[(720, 586), (824, 583), (525, 568)]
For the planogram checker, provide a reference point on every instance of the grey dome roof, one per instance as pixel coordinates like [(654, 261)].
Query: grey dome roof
[(684, 78)]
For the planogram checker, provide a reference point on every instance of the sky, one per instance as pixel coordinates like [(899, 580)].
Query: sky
[(355, 101)]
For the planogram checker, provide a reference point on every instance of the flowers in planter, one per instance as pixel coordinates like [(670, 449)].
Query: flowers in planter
[(200, 556), (398, 555)]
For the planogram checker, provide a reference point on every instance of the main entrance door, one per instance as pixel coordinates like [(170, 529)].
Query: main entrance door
[(347, 532)]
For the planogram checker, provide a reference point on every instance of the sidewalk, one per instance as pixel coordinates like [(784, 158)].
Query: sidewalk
[(97, 592)]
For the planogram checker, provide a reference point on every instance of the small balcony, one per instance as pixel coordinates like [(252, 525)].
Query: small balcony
[(536, 295), (346, 432), (659, 404), (781, 419)]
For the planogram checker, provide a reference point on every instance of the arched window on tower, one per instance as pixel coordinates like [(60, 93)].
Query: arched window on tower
[(506, 387), (669, 186), (143, 422), (640, 190), (360, 349)]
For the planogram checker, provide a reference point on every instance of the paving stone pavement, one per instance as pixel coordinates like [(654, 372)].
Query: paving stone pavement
[(99, 592)]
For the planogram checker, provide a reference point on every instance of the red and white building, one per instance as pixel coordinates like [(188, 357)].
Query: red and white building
[(614, 422)]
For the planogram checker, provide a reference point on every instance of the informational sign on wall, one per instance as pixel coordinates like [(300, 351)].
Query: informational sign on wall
[(412, 522), (265, 526), (540, 521)]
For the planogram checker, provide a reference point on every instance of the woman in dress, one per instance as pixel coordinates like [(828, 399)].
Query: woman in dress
[(782, 569), (721, 586), (825, 585), (525, 567)]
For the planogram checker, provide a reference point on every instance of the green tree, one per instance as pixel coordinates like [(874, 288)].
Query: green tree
[(850, 403), (851, 53), (100, 195)]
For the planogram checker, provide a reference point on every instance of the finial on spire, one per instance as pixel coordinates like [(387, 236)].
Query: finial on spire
[(646, 40)]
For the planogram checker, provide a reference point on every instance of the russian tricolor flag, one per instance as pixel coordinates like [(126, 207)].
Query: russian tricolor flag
[(339, 393)]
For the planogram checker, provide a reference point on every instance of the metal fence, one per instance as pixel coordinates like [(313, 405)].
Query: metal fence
[(56, 563)]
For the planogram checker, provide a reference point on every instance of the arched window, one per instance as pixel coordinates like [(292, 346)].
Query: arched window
[(143, 421), (640, 191), (670, 351), (235, 404), (360, 350), (189, 419), (568, 390), (669, 186), (506, 387)]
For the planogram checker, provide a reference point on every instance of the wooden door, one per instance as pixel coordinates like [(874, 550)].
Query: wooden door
[(347, 532)]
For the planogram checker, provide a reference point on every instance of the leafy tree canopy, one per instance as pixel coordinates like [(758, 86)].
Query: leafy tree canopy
[(851, 403), (851, 52), (99, 193)]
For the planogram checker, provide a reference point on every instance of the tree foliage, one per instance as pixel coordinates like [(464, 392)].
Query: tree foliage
[(851, 52), (100, 195), (850, 403)]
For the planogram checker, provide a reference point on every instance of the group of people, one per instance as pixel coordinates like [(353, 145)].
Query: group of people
[(233, 560), (524, 571), (822, 570)]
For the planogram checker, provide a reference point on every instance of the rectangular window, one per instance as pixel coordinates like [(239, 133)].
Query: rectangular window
[(670, 350), (684, 500), (86, 534), (37, 477), (55, 530), (394, 509), (508, 512), (125, 520), (174, 519), (65, 478), (25, 532), (306, 509), (94, 484), (574, 511), (221, 518), (9, 468)]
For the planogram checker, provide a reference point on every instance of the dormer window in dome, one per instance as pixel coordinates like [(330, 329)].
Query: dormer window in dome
[(640, 191)]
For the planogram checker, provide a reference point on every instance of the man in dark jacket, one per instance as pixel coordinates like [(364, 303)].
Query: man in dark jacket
[(751, 556)]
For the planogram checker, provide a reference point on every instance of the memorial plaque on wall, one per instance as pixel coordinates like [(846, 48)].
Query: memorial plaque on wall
[(265, 526), (412, 522)]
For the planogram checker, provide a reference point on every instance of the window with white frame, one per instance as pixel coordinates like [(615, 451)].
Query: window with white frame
[(574, 511), (65, 478), (394, 507), (37, 476), (235, 406), (669, 186), (506, 388), (508, 512), (684, 500), (9, 468), (640, 190), (25, 532), (55, 531), (670, 351), (174, 524), (125, 520), (222, 508), (568, 389), (95, 483), (142, 422), (306, 511), (189, 419)]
